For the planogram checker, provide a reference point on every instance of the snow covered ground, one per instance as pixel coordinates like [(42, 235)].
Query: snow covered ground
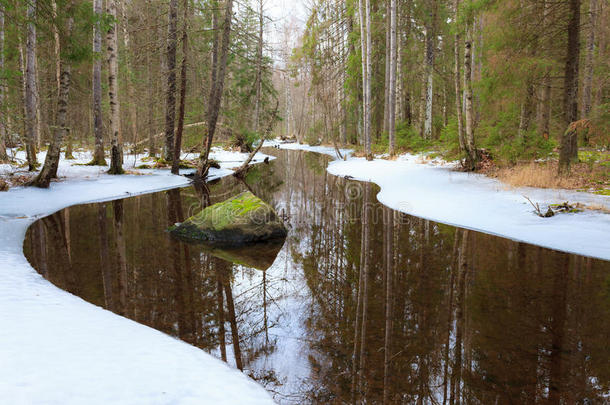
[(476, 202), (56, 348)]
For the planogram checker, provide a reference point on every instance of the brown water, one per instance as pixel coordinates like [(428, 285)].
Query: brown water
[(429, 314)]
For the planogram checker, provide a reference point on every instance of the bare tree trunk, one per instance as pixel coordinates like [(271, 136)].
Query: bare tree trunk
[(151, 127), (49, 170), (131, 95), (388, 62), (393, 67), (544, 108), (457, 80), (181, 108), (259, 69), (112, 43), (588, 74), (170, 96), (369, 68), (471, 153), (527, 109), (221, 317), (216, 91), (428, 84), (569, 141), (99, 158), (3, 155), (361, 15), (31, 88)]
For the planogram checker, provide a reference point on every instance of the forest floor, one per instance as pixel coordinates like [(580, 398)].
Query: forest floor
[(433, 189), (58, 349)]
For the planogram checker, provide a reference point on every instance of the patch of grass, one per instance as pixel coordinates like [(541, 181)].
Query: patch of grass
[(544, 175)]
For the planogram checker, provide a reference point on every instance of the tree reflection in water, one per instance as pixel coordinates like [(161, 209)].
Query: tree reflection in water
[(362, 304)]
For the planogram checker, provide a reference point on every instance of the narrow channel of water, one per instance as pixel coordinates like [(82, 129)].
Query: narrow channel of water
[(360, 303)]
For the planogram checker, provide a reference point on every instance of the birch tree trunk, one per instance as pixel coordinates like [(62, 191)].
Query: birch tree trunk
[(361, 15), (588, 74), (49, 169), (259, 68), (388, 62), (428, 85), (3, 155), (99, 158), (116, 155), (216, 91), (182, 107), (393, 66), (569, 140), (456, 76), (131, 91), (471, 153), (31, 88), (369, 68), (170, 95)]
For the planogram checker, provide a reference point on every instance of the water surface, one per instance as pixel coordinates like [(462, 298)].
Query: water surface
[(360, 304)]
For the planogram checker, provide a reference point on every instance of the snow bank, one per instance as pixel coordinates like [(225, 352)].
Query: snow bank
[(58, 349), (476, 202), (326, 150)]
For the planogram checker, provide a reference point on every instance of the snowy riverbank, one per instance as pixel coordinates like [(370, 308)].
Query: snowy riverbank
[(58, 349), (476, 202)]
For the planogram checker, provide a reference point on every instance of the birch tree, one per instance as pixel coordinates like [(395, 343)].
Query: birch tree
[(181, 108), (3, 155), (393, 67), (31, 88), (99, 158), (170, 95), (469, 145), (112, 43)]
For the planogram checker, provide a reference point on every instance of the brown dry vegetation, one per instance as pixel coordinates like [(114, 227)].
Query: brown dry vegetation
[(544, 175)]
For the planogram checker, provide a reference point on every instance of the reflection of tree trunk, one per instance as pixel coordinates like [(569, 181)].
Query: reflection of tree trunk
[(357, 325), (117, 206), (225, 270), (174, 215), (456, 375), (389, 298), (454, 257), (40, 247), (365, 285), (221, 317), (265, 319), (104, 254), (558, 320)]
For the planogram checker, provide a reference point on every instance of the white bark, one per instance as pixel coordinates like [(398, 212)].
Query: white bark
[(116, 164), (31, 88), (393, 66), (98, 154), (3, 155), (369, 68)]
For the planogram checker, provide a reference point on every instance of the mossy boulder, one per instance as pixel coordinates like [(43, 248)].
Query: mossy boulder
[(239, 220)]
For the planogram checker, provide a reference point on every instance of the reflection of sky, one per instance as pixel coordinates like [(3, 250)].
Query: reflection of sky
[(279, 15)]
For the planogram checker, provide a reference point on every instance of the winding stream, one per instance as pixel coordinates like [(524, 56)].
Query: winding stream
[(429, 314)]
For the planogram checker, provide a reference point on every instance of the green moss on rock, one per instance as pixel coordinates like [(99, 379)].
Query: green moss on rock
[(242, 219)]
